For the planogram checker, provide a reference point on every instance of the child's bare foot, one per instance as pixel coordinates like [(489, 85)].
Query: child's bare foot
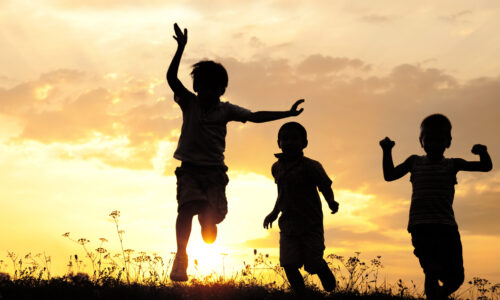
[(179, 268), (209, 233)]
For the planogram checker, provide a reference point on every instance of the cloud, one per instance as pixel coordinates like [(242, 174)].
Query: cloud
[(376, 19), (459, 17), (60, 108), (345, 115), (107, 4), (320, 65)]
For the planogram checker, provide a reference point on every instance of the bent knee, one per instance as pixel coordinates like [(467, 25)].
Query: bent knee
[(315, 266)]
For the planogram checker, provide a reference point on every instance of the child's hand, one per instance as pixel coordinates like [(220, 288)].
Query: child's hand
[(294, 111), (268, 221), (478, 149), (180, 37), (334, 206), (387, 144)]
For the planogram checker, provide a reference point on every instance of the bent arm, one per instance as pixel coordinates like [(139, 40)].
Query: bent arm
[(392, 173), (483, 165)]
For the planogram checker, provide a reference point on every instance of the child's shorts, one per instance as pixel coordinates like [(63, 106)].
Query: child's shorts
[(203, 184), (305, 250), (439, 251)]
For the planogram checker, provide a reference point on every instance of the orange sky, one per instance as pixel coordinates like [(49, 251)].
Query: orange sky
[(88, 125)]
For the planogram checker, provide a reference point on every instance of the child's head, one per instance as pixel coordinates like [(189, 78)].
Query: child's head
[(435, 134), (209, 78), (292, 137)]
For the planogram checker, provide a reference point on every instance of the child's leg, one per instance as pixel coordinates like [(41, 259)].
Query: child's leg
[(183, 231), (432, 288), (453, 276), (296, 280), (327, 278), (184, 223)]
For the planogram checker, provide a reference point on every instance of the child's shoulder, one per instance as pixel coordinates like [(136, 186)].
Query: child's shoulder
[(313, 163)]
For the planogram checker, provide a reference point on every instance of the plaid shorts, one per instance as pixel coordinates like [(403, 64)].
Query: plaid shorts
[(205, 185)]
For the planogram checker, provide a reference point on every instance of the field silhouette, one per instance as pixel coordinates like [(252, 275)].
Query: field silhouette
[(130, 275)]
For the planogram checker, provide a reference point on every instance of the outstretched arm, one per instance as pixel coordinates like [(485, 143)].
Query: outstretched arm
[(266, 116), (172, 79), (483, 165), (390, 172)]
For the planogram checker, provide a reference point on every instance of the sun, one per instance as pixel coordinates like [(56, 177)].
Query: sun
[(206, 259)]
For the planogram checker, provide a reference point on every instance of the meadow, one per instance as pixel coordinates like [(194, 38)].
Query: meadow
[(126, 274)]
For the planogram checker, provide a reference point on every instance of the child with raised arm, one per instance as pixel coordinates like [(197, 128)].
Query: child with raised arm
[(432, 225), (201, 178), (302, 241)]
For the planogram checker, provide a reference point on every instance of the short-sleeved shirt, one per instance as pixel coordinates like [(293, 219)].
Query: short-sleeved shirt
[(433, 185), (298, 181), (203, 133)]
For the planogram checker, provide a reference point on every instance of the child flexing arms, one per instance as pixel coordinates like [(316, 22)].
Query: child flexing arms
[(432, 225), (201, 178)]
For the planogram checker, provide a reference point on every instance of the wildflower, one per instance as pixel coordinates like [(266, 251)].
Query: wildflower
[(103, 240), (66, 234), (101, 250), (115, 214), (83, 241)]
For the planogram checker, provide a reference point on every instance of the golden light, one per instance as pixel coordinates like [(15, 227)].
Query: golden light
[(206, 259), (42, 92)]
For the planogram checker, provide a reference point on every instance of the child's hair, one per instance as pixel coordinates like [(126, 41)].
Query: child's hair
[(435, 122), (209, 73), (293, 126)]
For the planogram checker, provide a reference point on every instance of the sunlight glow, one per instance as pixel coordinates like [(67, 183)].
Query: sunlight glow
[(41, 93)]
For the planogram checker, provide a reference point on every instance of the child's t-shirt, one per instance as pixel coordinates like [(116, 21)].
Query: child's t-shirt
[(433, 185), (203, 134), (298, 199)]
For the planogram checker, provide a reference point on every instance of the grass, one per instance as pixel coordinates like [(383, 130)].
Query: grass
[(130, 275)]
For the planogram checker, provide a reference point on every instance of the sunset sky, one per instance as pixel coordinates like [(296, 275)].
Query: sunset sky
[(88, 124)]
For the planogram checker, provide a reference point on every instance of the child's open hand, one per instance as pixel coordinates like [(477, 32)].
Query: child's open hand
[(478, 149), (268, 221), (294, 111), (180, 37), (387, 144)]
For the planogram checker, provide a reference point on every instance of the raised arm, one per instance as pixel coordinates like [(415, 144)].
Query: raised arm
[(483, 165), (266, 116), (172, 79), (390, 172)]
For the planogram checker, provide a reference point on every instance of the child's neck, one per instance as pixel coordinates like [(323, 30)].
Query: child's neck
[(435, 157), (290, 156)]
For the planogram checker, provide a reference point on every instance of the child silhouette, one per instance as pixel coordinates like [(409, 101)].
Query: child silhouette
[(432, 224), (301, 223), (201, 178)]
